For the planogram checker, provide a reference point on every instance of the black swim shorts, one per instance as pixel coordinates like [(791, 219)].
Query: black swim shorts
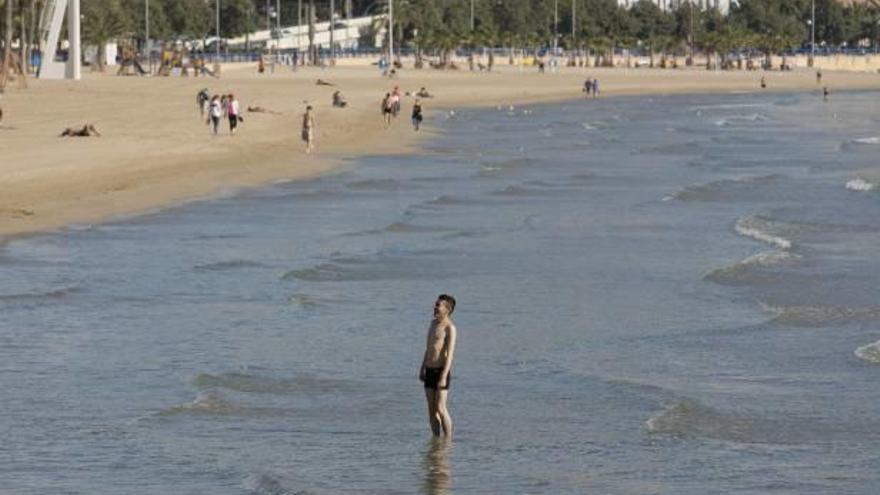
[(432, 378)]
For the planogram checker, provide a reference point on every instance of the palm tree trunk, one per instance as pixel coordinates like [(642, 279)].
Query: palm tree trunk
[(25, 44), (311, 14), (7, 40)]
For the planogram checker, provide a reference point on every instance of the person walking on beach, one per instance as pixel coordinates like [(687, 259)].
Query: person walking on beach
[(232, 111), (387, 109), (202, 99), (825, 93), (417, 114), (308, 128), (437, 364), (395, 101), (214, 112), (588, 87), (595, 88), (818, 77)]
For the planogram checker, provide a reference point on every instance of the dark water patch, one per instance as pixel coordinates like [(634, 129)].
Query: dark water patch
[(741, 189), (821, 316), (241, 382), (41, 296), (220, 266), (404, 228), (218, 237), (375, 185), (271, 484), (411, 266), (687, 148)]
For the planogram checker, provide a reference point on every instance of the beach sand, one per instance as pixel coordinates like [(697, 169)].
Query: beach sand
[(156, 151)]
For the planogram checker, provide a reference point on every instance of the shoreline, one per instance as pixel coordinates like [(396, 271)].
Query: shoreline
[(155, 153)]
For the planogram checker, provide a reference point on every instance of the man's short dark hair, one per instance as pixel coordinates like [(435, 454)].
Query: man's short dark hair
[(449, 300)]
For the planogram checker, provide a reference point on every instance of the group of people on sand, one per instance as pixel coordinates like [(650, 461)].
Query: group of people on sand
[(591, 87), (391, 104), (217, 107)]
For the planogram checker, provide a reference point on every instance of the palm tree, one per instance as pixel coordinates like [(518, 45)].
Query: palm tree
[(103, 21)]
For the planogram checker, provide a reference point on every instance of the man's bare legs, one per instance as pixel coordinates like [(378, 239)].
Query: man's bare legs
[(433, 415), (443, 413)]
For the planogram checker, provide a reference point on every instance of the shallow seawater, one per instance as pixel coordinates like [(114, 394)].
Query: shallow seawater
[(656, 295)]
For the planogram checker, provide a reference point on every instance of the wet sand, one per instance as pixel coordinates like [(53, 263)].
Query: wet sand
[(156, 151)]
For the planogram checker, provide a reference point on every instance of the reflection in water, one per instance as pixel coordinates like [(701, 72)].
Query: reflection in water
[(438, 474)]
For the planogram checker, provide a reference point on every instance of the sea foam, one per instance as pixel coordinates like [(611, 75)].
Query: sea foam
[(860, 185), (869, 352)]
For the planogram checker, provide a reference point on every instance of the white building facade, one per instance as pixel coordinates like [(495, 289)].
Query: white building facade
[(722, 5)]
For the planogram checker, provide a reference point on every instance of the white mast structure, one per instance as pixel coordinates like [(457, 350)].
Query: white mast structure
[(54, 19)]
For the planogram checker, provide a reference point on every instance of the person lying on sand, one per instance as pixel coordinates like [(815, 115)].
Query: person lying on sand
[(321, 82), (87, 130), (423, 93), (339, 100), (259, 109)]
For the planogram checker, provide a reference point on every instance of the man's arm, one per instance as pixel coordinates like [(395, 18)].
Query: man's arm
[(450, 353)]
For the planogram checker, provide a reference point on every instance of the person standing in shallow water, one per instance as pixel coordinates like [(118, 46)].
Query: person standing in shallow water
[(437, 365), (308, 129), (417, 114)]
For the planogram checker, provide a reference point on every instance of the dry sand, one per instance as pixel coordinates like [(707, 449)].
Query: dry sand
[(156, 151)]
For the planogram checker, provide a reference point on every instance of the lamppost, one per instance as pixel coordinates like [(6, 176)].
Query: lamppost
[(147, 35), (813, 33), (391, 32), (217, 43), (332, 28)]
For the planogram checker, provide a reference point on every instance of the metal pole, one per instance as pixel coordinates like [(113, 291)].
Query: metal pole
[(299, 24), (332, 47), (555, 25), (573, 15), (277, 22), (147, 35), (217, 31), (73, 34), (391, 32), (472, 15), (813, 32)]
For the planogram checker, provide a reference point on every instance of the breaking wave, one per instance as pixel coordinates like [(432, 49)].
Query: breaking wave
[(860, 185), (869, 352), (204, 404), (36, 296), (755, 117), (748, 270), (690, 419), (761, 229), (866, 140)]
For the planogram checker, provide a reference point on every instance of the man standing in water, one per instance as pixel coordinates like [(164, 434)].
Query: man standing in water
[(437, 363)]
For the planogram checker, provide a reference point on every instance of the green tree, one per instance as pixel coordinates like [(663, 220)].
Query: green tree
[(103, 21)]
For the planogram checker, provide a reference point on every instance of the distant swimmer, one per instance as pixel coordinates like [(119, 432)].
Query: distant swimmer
[(437, 365), (825, 93)]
